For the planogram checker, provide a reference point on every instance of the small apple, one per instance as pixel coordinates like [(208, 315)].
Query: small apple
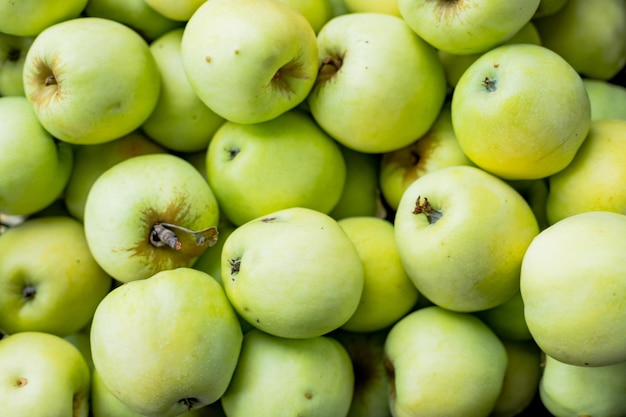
[(175, 10), (31, 17), (608, 100), (317, 12), (82, 89), (149, 213), (13, 51)]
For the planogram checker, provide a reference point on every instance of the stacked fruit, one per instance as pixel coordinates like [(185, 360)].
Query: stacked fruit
[(252, 208)]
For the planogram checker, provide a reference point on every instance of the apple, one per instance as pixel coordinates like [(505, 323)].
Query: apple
[(178, 10), (289, 161), (535, 192), (548, 7), (573, 284), (180, 121), (461, 234), (80, 340), (249, 60), (443, 363), (507, 319), (82, 89), (317, 12), (34, 168), (461, 28), (310, 377), (520, 111), (149, 213), (177, 342), (293, 273), (211, 260), (31, 17), (43, 375), (608, 100), (373, 6), (379, 85), (13, 51)]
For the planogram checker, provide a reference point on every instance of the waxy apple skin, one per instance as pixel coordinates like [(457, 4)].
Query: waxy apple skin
[(31, 17)]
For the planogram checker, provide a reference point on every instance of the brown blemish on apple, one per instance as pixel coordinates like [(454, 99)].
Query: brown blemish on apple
[(308, 395), (21, 381), (424, 207), (236, 51), (329, 67), (391, 378), (269, 219), (207, 58), (496, 64)]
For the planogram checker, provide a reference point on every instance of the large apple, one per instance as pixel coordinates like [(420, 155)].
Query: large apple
[(461, 234), (249, 60), (379, 87), (31, 17), (83, 89), (520, 111), (176, 342), (13, 51), (149, 213), (608, 100)]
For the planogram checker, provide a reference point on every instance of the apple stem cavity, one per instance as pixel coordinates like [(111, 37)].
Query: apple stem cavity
[(21, 382), (189, 402), (50, 80), (489, 84), (163, 235), (329, 67), (424, 207)]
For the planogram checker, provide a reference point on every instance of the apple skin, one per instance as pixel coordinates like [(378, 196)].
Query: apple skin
[(249, 60), (548, 7), (43, 375), (128, 199), (317, 12), (31, 17), (375, 105), (82, 89), (179, 10), (520, 111), (469, 258), (13, 51), (373, 6), (461, 29), (178, 331), (573, 287), (608, 100), (34, 169)]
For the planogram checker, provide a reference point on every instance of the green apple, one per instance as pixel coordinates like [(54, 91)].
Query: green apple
[(443, 363), (317, 12), (13, 51), (520, 111), (548, 7), (608, 100), (373, 6), (461, 234), (594, 180), (249, 60), (180, 121), (34, 169), (535, 192), (573, 284), (211, 260), (82, 88), (339, 7), (379, 85), (80, 339), (388, 293), (461, 28), (42, 375), (149, 213), (275, 376), (507, 319), (175, 10), (176, 342), (289, 161), (589, 35), (293, 273), (31, 17)]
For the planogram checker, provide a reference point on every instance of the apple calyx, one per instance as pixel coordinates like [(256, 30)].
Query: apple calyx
[(390, 370), (189, 402), (328, 68), (21, 381), (162, 235), (424, 207), (489, 84), (235, 265), (29, 292)]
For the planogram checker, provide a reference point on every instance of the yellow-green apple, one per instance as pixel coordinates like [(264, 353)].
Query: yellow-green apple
[(373, 6), (595, 179), (42, 375), (461, 28), (375, 105), (520, 111), (461, 234), (589, 35), (339, 7), (249, 60), (275, 376), (167, 344), (608, 100), (34, 168), (149, 213), (293, 273), (569, 390), (388, 293), (90, 161), (507, 319), (443, 363), (317, 12), (31, 17), (437, 148), (82, 88), (573, 284), (289, 161), (13, 51), (180, 121), (49, 281), (548, 7), (175, 10)]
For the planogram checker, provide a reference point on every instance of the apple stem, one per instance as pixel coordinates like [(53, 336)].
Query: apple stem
[(162, 235), (330, 65), (425, 208), (50, 80)]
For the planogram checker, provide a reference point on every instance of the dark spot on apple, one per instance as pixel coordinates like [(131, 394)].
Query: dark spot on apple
[(14, 55), (21, 381), (236, 51), (189, 402), (490, 84), (233, 151), (207, 58), (308, 395), (235, 265), (425, 208), (268, 219), (29, 292)]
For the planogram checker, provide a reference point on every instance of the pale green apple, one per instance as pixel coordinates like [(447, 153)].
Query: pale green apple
[(249, 60), (443, 363), (589, 35), (608, 100), (507, 319), (388, 293), (461, 234), (520, 111), (293, 273), (34, 169), (339, 7), (42, 375), (317, 12), (548, 7), (167, 344), (461, 28), (149, 213), (181, 10), (289, 161), (379, 85), (83, 88), (31, 17), (180, 121), (573, 284), (595, 179), (13, 51), (373, 6)]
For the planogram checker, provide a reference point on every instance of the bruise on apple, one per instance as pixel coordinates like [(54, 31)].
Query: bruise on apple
[(425, 208)]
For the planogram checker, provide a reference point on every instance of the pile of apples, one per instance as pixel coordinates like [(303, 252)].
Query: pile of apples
[(320, 208)]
